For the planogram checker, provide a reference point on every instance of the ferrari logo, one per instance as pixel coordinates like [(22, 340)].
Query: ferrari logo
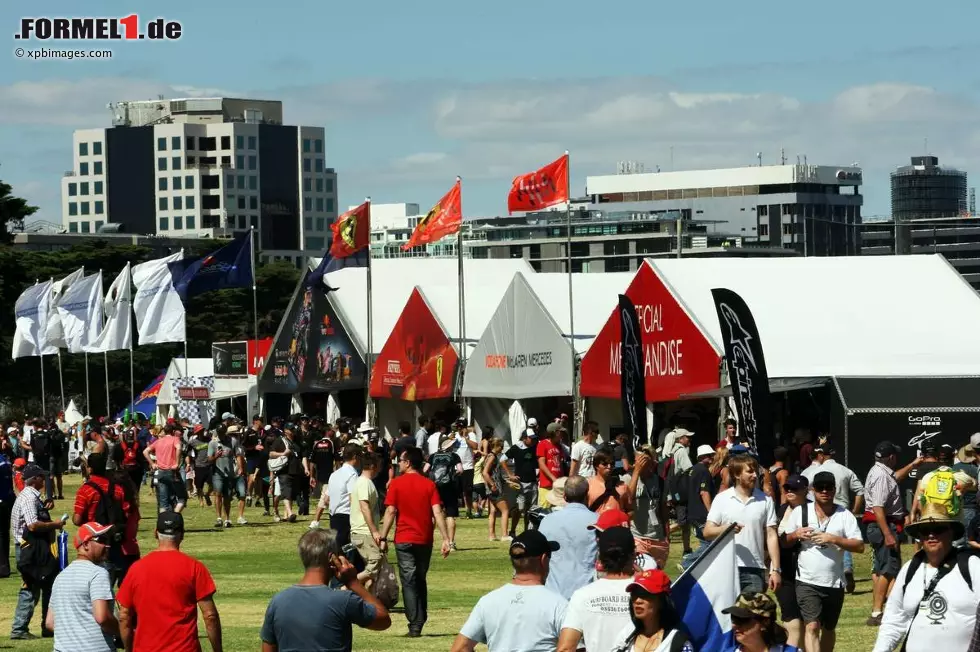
[(424, 222), (439, 372), (348, 230)]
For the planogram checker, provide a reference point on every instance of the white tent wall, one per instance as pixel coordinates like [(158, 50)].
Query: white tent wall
[(390, 412), (333, 408), (505, 416), (608, 412)]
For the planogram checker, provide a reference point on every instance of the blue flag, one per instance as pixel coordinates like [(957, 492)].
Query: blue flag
[(330, 264), (228, 267)]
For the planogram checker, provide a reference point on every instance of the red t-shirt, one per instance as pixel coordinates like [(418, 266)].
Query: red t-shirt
[(163, 589), (87, 498), (552, 460), (414, 496)]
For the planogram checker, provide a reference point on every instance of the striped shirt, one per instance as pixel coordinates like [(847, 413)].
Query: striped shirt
[(24, 511), (881, 490), (75, 629)]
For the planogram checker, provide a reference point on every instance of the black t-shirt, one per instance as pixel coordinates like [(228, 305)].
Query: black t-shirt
[(322, 456), (701, 480), (381, 477), (295, 464), (250, 440), (525, 462)]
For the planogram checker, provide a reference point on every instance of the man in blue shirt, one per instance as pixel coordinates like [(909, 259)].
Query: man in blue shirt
[(573, 565)]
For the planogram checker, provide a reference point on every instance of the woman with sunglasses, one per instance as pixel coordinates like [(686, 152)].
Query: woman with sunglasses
[(934, 600), (656, 625), (754, 625)]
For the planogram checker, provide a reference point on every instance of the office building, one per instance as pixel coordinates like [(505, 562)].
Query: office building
[(924, 190), (204, 167)]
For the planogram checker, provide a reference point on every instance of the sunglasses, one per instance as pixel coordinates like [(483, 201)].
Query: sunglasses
[(824, 488), (739, 621), (934, 530)]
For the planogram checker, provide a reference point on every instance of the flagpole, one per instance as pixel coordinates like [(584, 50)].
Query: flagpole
[(88, 404), (369, 404), (129, 315), (61, 380), (255, 296), (44, 411), (108, 409), (461, 289), (576, 421), (186, 362)]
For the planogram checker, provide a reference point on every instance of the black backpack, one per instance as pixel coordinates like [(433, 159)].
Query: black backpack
[(109, 511), (962, 562), (442, 471), (41, 445), (678, 485)]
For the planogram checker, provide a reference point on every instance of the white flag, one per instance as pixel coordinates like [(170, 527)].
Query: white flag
[(117, 333), (31, 316), (80, 310), (159, 311), (54, 337)]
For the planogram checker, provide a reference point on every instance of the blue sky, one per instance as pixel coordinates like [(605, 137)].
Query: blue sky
[(412, 94)]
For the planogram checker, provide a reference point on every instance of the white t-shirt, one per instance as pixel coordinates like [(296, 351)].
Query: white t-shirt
[(755, 515), (517, 618), (582, 451), (433, 443), (464, 451), (619, 643), (822, 565), (946, 621), (26, 438), (848, 484), (599, 610)]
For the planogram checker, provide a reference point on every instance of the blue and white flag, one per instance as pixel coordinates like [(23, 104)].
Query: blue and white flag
[(706, 588), (80, 311), (159, 310), (31, 315)]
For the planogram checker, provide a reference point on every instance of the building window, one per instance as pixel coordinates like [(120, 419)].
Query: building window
[(190, 222), (254, 221), (73, 227), (83, 169), (240, 161), (318, 146), (84, 188), (161, 164), (176, 184), (175, 163), (319, 185), (72, 189), (253, 203), (178, 223), (252, 162), (164, 224), (191, 159), (97, 167), (329, 204), (161, 144), (190, 142), (251, 142), (253, 182), (72, 208), (306, 145), (307, 204), (210, 182), (175, 142), (189, 182), (319, 165), (308, 223), (320, 224), (178, 206), (239, 142), (226, 142), (84, 208), (226, 161), (329, 185), (210, 202), (241, 182), (86, 227), (319, 203), (307, 184), (83, 149), (98, 188), (162, 203), (97, 148), (764, 229), (230, 181), (99, 208), (314, 243), (189, 202), (98, 225), (306, 165), (241, 202)]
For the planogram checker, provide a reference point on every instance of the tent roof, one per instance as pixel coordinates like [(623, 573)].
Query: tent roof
[(842, 316), (901, 394), (393, 279), (202, 368)]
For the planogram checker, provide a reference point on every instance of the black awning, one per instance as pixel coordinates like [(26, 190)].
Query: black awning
[(933, 393)]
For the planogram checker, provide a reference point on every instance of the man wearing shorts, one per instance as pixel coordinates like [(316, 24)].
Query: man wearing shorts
[(525, 461), (444, 468), (197, 454), (171, 492), (294, 473), (825, 531), (228, 475), (466, 445), (549, 453)]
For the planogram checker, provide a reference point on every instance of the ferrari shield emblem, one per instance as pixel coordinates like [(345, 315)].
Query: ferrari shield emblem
[(439, 371)]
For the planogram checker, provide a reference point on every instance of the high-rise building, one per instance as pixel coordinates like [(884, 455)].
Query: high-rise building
[(204, 167), (924, 190)]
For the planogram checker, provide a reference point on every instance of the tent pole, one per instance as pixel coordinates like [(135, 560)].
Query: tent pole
[(88, 403), (108, 408), (369, 358), (61, 380)]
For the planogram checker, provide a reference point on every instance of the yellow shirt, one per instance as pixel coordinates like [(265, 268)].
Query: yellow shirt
[(364, 489)]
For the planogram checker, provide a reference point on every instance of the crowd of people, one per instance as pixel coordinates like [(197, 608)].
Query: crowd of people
[(587, 525)]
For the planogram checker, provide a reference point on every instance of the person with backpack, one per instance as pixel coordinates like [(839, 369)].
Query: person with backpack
[(934, 602), (943, 486), (443, 468), (100, 500), (131, 455)]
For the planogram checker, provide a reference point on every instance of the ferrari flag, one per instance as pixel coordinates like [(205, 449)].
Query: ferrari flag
[(351, 231), (540, 189), (443, 219)]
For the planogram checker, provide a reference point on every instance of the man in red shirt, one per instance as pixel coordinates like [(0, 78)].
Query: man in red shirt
[(413, 501), (159, 598), (731, 430), (117, 514), (549, 462)]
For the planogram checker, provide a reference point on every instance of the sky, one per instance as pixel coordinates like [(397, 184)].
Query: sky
[(413, 94)]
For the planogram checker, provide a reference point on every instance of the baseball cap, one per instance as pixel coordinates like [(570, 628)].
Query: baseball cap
[(90, 531), (609, 519), (553, 428), (529, 432), (975, 441), (531, 543), (617, 537), (796, 482), (885, 449), (705, 449), (532, 422), (752, 605), (682, 432), (824, 479), (227, 415), (170, 523), (653, 581), (32, 471)]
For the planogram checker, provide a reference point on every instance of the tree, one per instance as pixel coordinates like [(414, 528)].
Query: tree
[(13, 211)]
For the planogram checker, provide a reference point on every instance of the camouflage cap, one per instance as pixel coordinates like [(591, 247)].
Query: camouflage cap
[(752, 605)]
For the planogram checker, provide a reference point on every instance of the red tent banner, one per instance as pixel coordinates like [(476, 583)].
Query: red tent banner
[(417, 362), (677, 357), (540, 189)]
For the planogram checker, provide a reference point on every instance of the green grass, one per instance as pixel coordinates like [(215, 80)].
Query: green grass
[(253, 562)]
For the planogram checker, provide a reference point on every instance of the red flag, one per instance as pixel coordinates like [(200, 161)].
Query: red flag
[(351, 231), (443, 219), (540, 189)]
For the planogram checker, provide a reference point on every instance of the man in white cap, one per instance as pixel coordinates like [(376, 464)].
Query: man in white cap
[(532, 429), (81, 612)]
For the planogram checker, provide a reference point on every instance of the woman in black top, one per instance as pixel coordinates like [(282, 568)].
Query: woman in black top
[(795, 490)]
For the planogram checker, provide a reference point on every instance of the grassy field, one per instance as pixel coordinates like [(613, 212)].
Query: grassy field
[(253, 562)]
